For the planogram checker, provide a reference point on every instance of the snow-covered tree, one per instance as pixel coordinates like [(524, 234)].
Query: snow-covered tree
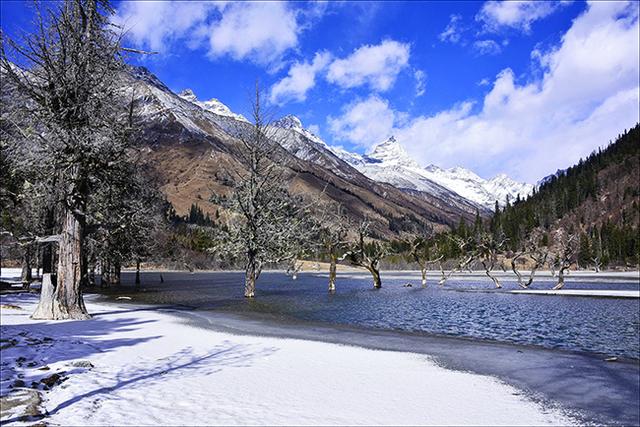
[(67, 74), (268, 224)]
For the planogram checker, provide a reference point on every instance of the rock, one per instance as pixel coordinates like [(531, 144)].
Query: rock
[(18, 383), (10, 307), (81, 364), (7, 343), (53, 379), (29, 400), (44, 368), (32, 364), (20, 360), (407, 285)]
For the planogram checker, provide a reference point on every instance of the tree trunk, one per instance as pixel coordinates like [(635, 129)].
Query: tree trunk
[(443, 277), (84, 272), (560, 284), (375, 273), (532, 276), (26, 268), (487, 270), (332, 273), (68, 302), (137, 272), (117, 270), (48, 248), (517, 273), (105, 271), (423, 270), (250, 276), (44, 309)]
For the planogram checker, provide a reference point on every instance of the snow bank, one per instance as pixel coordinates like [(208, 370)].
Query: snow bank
[(146, 367)]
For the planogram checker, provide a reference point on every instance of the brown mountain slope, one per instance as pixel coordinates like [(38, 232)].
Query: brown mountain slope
[(195, 153)]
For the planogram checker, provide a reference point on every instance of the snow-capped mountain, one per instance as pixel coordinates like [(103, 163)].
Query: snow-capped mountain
[(213, 105), (389, 162), (481, 191)]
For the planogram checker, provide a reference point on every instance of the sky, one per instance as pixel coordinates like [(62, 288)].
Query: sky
[(522, 88)]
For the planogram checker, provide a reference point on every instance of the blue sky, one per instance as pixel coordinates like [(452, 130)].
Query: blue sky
[(522, 88)]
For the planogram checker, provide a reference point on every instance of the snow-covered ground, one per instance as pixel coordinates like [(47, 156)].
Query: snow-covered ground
[(129, 366)]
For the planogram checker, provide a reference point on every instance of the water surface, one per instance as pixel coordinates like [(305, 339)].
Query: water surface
[(465, 307)]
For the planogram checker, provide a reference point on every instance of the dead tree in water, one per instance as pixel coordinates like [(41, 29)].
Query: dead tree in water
[(534, 251), (539, 257), (565, 256), (268, 224), (488, 249), (424, 251), (467, 255), (333, 237), (368, 253)]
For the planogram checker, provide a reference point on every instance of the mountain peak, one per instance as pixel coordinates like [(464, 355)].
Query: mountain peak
[(188, 95), (288, 122), (392, 153)]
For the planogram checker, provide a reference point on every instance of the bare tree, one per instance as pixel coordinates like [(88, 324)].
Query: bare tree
[(467, 255), (333, 235), (565, 255), (68, 74), (538, 255), (488, 249), (269, 225), (424, 251), (368, 253)]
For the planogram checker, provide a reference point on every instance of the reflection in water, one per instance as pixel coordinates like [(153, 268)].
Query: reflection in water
[(602, 325)]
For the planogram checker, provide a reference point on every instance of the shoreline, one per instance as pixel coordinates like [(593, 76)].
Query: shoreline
[(549, 376), (592, 389), (150, 357)]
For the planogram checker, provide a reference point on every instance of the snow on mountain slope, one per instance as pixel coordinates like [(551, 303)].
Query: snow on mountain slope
[(502, 186), (213, 105), (389, 162)]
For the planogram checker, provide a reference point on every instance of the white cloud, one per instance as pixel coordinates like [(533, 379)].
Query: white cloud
[(588, 93), (300, 79), (156, 24), (365, 122), (421, 78), (262, 31), (486, 47), (453, 31), (376, 66), (515, 14), (258, 31)]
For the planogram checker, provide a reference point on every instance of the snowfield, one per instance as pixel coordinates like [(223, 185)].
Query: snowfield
[(145, 366)]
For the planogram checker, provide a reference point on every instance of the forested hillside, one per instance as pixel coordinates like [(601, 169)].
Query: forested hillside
[(596, 199)]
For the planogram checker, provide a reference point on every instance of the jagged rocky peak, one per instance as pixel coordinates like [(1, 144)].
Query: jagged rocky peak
[(288, 122), (391, 152), (213, 105), (188, 95), (142, 73)]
